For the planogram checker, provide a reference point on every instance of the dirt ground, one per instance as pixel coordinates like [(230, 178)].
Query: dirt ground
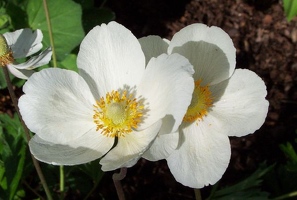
[(266, 44)]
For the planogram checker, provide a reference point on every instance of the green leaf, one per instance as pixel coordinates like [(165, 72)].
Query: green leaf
[(13, 153), (249, 188), (66, 24), (4, 21), (92, 169), (96, 16), (289, 150), (69, 63), (290, 7), (17, 14)]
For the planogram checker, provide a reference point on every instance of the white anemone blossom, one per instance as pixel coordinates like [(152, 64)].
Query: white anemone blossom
[(113, 108), (226, 102), (21, 44)]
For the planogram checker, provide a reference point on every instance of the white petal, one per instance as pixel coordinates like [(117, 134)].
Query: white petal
[(202, 157), (20, 73), (209, 49), (24, 42), (153, 46), (110, 57), (57, 105), (162, 146), (36, 61), (242, 108), (129, 148), (166, 88), (84, 149), (164, 143)]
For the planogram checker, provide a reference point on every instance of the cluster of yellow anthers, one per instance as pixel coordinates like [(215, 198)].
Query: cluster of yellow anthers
[(117, 114), (200, 104), (5, 52)]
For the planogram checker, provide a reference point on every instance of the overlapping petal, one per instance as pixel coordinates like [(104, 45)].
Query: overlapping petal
[(86, 148), (153, 46), (24, 70), (242, 108), (109, 58), (202, 157), (209, 49), (129, 148), (20, 73), (24, 42), (57, 105), (166, 88), (162, 146), (36, 61)]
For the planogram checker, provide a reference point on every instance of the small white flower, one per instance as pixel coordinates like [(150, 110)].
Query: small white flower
[(21, 44), (113, 107), (226, 102)]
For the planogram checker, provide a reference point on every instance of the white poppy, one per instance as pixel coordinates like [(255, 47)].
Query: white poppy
[(113, 107), (226, 102), (21, 44)]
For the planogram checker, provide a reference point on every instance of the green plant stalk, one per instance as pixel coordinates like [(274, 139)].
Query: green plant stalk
[(62, 182), (197, 194), (26, 130), (286, 196), (50, 31)]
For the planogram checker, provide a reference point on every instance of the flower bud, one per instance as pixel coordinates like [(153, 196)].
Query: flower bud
[(5, 52)]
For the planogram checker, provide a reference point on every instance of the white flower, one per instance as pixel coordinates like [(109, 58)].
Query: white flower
[(112, 108), (226, 102), (20, 44)]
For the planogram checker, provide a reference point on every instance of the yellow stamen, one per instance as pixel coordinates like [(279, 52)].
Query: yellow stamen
[(200, 104), (117, 114), (6, 56)]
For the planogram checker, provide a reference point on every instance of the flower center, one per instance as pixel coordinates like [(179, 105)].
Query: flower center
[(5, 52), (117, 114), (201, 102)]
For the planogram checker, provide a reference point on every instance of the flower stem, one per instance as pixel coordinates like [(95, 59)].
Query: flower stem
[(62, 182), (50, 32), (197, 194), (117, 177), (26, 130)]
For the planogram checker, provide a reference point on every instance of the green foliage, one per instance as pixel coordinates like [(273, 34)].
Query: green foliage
[(290, 7), (290, 152), (93, 16), (66, 24), (249, 188), (4, 19), (12, 156), (282, 180), (69, 62)]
